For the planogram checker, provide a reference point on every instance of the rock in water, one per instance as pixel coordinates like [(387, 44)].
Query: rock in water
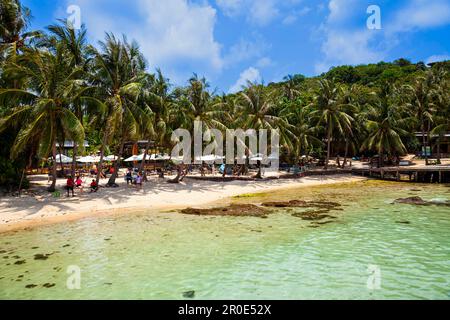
[(243, 210), (189, 294), (420, 202), (412, 200)]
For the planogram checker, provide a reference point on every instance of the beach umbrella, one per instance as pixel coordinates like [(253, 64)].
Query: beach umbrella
[(257, 157), (137, 158), (159, 157), (88, 159), (112, 158), (60, 158), (209, 158)]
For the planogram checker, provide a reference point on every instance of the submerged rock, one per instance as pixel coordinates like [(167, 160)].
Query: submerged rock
[(418, 201), (189, 294), (286, 204), (41, 256), (242, 210), (412, 200)]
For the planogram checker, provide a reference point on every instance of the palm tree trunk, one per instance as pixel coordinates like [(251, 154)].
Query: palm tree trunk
[(102, 155), (424, 144), (346, 154), (144, 160), (112, 179), (60, 160), (74, 161), (52, 187), (328, 148), (439, 150)]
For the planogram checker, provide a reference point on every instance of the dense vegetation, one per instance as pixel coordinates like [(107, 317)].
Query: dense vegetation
[(54, 86)]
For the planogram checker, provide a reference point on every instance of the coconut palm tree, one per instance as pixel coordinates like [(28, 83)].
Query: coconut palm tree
[(331, 112), (14, 20), (75, 43), (385, 125), (420, 106), (298, 115), (44, 110), (118, 72), (255, 110)]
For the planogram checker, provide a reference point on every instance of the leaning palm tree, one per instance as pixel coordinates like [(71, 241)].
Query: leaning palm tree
[(385, 126), (44, 109), (331, 112), (118, 70), (75, 43)]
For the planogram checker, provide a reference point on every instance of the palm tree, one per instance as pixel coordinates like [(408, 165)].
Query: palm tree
[(305, 134), (384, 126), (75, 43), (14, 20), (441, 100), (421, 107), (331, 112), (118, 70), (44, 109), (291, 86), (256, 111)]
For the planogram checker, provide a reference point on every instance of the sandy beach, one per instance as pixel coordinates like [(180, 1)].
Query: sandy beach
[(37, 207)]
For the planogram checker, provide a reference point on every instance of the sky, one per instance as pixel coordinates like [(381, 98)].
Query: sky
[(232, 41)]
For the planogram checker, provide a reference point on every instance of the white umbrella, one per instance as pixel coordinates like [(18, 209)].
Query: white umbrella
[(210, 158), (159, 157), (257, 157), (137, 158), (88, 159), (62, 158), (112, 158)]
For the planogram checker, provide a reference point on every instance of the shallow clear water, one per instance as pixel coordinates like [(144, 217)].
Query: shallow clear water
[(162, 255)]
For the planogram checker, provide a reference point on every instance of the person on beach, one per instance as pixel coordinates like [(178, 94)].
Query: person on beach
[(94, 186), (139, 180), (69, 186), (129, 177), (79, 183)]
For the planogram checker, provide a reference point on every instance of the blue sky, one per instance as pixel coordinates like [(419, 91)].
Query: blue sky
[(231, 41)]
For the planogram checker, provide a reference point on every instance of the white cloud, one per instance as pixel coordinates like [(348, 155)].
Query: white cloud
[(245, 50), (420, 14), (293, 16), (437, 58), (169, 32), (251, 74), (260, 12), (264, 62), (342, 44), (347, 47)]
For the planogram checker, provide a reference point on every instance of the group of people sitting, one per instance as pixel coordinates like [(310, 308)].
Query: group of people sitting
[(78, 183), (134, 178)]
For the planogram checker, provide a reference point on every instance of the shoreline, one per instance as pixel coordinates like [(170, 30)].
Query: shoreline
[(30, 211)]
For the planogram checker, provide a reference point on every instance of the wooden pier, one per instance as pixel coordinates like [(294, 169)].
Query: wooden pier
[(431, 174)]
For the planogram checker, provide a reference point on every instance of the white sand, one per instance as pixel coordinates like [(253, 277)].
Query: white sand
[(38, 207)]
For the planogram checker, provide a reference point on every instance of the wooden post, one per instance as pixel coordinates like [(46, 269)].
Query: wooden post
[(398, 175), (416, 176), (440, 176)]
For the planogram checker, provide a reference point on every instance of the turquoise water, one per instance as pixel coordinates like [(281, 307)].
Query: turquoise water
[(162, 255)]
